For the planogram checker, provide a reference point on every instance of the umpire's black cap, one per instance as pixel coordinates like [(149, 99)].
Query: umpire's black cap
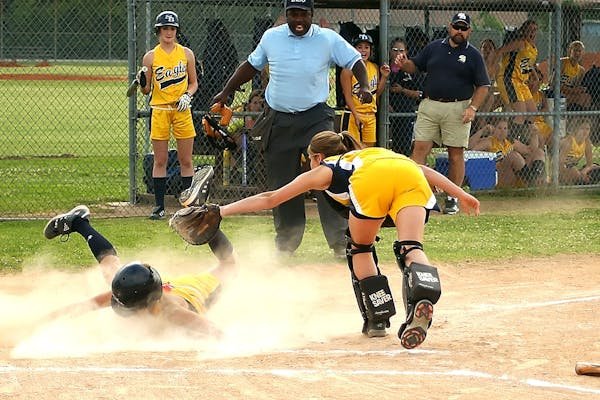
[(301, 4)]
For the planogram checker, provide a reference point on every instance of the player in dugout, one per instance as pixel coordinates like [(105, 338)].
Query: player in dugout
[(373, 187), (138, 288)]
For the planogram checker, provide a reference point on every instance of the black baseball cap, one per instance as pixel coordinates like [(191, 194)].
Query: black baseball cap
[(301, 4), (461, 18)]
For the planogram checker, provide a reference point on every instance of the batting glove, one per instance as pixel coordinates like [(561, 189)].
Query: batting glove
[(141, 76), (184, 102)]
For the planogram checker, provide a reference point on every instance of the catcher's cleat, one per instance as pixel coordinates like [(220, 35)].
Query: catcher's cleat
[(197, 193), (413, 332), (62, 224), (158, 212), (375, 329)]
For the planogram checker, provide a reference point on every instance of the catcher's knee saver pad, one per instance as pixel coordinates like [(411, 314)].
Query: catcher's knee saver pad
[(377, 298), (420, 282)]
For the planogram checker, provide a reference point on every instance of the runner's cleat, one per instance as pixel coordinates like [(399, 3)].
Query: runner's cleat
[(197, 193), (62, 224)]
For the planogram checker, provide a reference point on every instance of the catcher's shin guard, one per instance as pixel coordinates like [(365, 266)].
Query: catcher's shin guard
[(421, 289), (373, 294)]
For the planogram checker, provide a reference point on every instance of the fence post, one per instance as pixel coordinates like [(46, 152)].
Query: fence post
[(557, 103), (383, 108), (131, 55)]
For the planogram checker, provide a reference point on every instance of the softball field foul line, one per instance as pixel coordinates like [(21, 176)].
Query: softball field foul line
[(298, 373), (487, 307)]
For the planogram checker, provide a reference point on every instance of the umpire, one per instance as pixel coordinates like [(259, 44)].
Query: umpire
[(455, 87), (298, 55)]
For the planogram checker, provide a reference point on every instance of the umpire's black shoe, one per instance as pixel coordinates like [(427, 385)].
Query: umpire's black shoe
[(63, 224), (413, 332), (198, 190)]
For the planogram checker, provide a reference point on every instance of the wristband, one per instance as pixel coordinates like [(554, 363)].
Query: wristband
[(472, 107)]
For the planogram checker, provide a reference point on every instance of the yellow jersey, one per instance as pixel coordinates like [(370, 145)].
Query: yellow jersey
[(197, 289), (576, 152), (496, 146), (169, 75), (518, 64), (373, 78), (375, 182), (570, 73)]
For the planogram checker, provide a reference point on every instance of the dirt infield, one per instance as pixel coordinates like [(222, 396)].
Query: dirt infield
[(512, 330)]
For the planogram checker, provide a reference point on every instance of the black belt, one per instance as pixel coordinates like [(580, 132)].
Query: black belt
[(444, 100), (303, 111)]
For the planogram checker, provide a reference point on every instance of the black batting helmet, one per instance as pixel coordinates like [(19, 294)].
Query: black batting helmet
[(166, 18), (363, 37), (134, 287)]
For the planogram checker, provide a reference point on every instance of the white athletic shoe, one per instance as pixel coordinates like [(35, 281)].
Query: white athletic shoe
[(198, 191), (413, 332)]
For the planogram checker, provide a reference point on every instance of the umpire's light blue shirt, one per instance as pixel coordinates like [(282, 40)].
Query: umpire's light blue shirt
[(299, 65)]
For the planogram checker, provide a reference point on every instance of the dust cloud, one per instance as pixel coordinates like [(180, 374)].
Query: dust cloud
[(268, 306)]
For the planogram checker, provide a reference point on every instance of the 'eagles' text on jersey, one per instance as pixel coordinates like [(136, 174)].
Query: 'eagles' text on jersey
[(169, 75)]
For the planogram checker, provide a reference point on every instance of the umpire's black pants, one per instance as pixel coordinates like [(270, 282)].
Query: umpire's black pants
[(290, 136)]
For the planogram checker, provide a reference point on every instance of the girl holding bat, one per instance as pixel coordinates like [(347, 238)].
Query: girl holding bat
[(172, 81)]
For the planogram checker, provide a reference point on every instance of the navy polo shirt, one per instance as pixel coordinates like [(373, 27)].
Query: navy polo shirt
[(452, 72)]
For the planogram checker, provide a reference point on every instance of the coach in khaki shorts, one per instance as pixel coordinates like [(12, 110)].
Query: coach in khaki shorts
[(456, 85)]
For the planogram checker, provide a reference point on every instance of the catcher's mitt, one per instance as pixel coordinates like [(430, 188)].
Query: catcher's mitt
[(197, 225), (217, 134)]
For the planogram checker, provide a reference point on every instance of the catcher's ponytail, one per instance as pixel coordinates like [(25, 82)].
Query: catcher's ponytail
[(331, 143)]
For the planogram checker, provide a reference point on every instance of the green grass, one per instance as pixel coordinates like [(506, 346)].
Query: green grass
[(67, 142), (523, 230)]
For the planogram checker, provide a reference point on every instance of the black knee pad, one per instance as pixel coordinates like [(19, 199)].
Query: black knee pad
[(401, 250), (359, 288), (377, 299), (520, 132), (538, 167), (530, 173), (594, 175), (420, 282)]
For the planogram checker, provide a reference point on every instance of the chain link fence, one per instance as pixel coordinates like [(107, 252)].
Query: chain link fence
[(70, 135)]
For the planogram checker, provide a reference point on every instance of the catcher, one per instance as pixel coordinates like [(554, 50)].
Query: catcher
[(138, 288), (372, 186)]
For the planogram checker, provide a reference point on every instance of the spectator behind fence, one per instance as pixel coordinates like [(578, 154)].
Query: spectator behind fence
[(512, 166), (360, 119), (246, 166), (173, 81), (492, 100), (571, 74), (455, 88), (255, 103), (517, 56), (576, 147), (296, 96), (405, 93), (544, 131)]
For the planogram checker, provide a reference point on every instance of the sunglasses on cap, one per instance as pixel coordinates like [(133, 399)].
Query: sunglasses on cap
[(460, 27)]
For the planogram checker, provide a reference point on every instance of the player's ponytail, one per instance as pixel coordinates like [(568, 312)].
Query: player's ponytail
[(331, 143)]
